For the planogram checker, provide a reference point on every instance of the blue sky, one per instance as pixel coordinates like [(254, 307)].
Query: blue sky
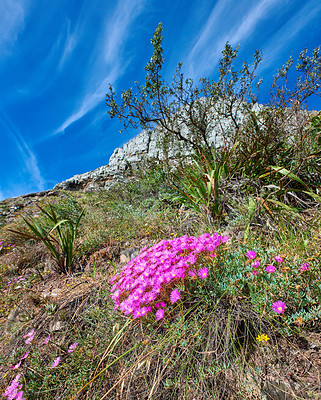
[(57, 58)]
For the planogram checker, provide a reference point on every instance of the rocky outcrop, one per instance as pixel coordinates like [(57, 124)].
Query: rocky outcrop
[(145, 146), (130, 154), (101, 178)]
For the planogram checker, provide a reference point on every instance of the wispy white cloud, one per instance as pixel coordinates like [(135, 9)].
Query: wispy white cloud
[(69, 45), (214, 35), (251, 20), (29, 159), (108, 63), (12, 17), (282, 41), (209, 29), (118, 26), (49, 63), (89, 101)]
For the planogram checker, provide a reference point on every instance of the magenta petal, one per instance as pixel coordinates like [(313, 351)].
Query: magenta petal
[(175, 295), (24, 356), (29, 334), (278, 307), (159, 314), (251, 254), (270, 268), (72, 347), (304, 267), (16, 366), (55, 363), (46, 341)]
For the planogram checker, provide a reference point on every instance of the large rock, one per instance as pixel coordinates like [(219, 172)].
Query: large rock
[(145, 146), (103, 177)]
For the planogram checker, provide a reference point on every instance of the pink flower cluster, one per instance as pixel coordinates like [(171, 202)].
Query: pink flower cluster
[(256, 263), (150, 276), (13, 391), (270, 268), (304, 266), (279, 306), (4, 246), (14, 281)]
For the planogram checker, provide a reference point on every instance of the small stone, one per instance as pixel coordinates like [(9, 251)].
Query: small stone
[(57, 326), (55, 292), (45, 294), (128, 254)]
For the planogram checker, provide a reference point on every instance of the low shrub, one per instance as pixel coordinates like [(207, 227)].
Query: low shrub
[(193, 269)]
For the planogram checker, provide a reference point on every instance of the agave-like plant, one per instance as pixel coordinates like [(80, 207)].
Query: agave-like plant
[(61, 245), (199, 185), (290, 198)]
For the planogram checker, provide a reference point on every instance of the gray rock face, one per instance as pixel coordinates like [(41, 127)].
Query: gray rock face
[(133, 151), (103, 177)]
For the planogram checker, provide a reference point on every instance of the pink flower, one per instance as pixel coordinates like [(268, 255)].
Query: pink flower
[(143, 311), (137, 313), (46, 341), (19, 395), (251, 254), (24, 356), (55, 363), (255, 264), (279, 259), (255, 272), (175, 295), (278, 307), (14, 391), (224, 239), (270, 268), (72, 347), (29, 336), (16, 366), (202, 273), (159, 314), (304, 267), (192, 273), (162, 304), (29, 340)]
